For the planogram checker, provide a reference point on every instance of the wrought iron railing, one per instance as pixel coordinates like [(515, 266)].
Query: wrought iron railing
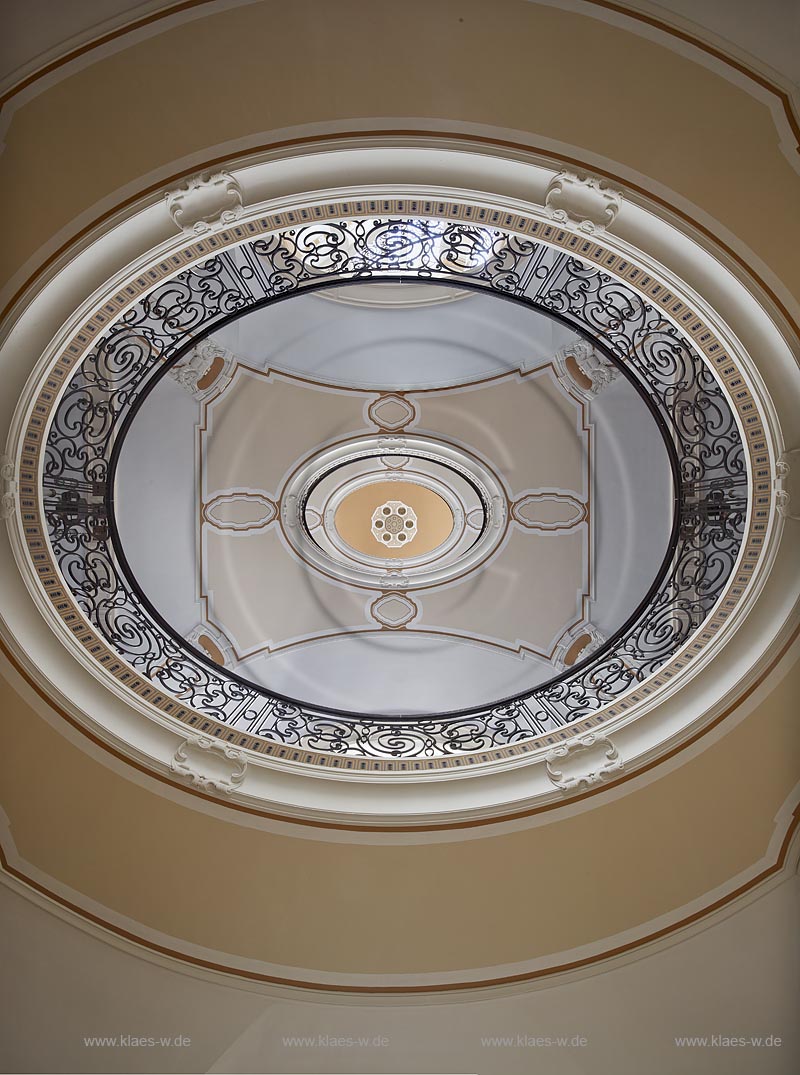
[(105, 390)]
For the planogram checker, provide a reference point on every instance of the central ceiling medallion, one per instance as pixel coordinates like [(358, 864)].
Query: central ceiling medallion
[(394, 524), (393, 512), (381, 513)]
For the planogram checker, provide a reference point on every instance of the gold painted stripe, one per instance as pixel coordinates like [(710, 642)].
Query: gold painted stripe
[(450, 987)]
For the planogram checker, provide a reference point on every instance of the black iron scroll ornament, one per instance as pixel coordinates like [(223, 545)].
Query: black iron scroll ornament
[(137, 349)]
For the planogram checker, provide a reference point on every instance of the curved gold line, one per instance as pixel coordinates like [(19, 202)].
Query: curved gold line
[(450, 987), (476, 139), (434, 827), (104, 39), (638, 16)]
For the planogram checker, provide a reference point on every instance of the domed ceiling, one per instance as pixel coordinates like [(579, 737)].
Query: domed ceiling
[(380, 498), (403, 506), (476, 516)]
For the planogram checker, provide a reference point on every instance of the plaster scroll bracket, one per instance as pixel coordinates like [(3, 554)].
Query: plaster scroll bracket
[(783, 474), (208, 764), (583, 762), (8, 489), (587, 204), (205, 201)]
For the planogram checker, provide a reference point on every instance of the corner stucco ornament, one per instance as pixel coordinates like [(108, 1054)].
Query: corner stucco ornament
[(589, 204), (583, 762), (204, 631), (582, 371), (191, 370), (208, 764), (583, 629), (205, 200)]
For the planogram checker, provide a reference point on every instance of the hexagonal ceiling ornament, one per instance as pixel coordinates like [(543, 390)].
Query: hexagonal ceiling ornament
[(394, 524)]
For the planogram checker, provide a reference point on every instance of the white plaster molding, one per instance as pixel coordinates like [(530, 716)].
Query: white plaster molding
[(783, 494), (388, 296), (392, 444), (567, 640), (8, 495), (590, 363), (526, 511), (205, 200), (264, 511), (394, 523), (392, 412), (206, 764), (221, 641), (666, 246), (589, 204), (193, 368), (394, 610), (330, 554), (583, 762), (394, 579)]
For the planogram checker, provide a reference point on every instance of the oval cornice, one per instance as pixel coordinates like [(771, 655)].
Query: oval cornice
[(546, 792)]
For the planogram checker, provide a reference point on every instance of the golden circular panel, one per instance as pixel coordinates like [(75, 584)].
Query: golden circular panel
[(353, 518)]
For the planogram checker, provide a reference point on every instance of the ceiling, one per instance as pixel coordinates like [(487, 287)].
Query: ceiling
[(658, 906), (42, 29), (307, 372), (698, 985)]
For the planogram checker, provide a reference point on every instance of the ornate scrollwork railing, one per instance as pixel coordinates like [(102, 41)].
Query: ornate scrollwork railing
[(136, 349)]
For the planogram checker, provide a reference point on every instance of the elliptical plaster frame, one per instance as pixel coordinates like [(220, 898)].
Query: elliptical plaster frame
[(521, 785)]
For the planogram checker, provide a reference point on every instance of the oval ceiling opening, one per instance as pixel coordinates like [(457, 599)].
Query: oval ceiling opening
[(490, 424)]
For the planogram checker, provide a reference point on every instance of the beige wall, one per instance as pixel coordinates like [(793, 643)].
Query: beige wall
[(738, 977), (535, 72), (211, 881)]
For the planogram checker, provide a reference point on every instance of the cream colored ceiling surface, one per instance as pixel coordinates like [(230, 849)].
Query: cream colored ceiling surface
[(253, 1031), (527, 596), (261, 425), (220, 884), (698, 101), (528, 425)]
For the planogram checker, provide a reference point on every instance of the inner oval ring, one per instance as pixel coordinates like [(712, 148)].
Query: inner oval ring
[(486, 483), (425, 481)]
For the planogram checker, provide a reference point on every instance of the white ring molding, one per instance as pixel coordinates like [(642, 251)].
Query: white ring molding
[(518, 182), (422, 571), (459, 537), (425, 481)]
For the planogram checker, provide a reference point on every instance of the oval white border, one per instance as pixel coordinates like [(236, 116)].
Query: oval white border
[(450, 796)]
